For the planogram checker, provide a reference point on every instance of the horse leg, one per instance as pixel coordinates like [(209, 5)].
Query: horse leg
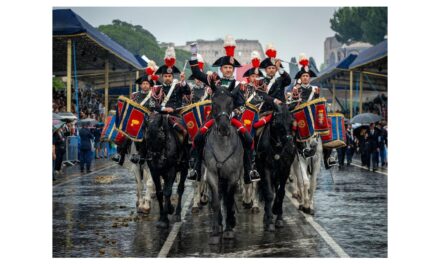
[(316, 169), (180, 190), (215, 204), (151, 192), (295, 184), (306, 185), (139, 186), (266, 182), (145, 204), (278, 204), (168, 190), (247, 196), (161, 223), (255, 199), (196, 200), (230, 212), (298, 173)]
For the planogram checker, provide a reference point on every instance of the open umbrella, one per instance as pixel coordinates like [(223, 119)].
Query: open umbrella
[(56, 116), (67, 116), (56, 124), (365, 118), (91, 121)]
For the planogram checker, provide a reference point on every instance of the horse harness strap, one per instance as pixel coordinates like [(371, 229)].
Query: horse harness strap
[(220, 164)]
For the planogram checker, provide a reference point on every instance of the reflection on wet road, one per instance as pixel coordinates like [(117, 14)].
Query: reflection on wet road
[(94, 215)]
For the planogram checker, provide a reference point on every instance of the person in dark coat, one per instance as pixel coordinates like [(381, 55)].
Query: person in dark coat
[(350, 144), (373, 147), (59, 141), (87, 139), (383, 141)]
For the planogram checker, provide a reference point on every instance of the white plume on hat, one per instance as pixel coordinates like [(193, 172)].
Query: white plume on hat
[(255, 55), (270, 46), (200, 58), (229, 41), (152, 65), (170, 53), (303, 61)]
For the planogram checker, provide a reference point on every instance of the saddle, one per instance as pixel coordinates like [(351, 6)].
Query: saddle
[(175, 123), (262, 122)]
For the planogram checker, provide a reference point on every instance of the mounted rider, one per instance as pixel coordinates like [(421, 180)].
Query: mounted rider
[(303, 92), (199, 91), (227, 64)]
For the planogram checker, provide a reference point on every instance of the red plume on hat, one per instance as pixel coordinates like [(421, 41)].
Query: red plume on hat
[(255, 59), (151, 68), (200, 61), (170, 57), (271, 52), (155, 77), (229, 45), (304, 62)]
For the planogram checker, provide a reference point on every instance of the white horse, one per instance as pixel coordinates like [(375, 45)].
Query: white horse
[(144, 184), (305, 169)]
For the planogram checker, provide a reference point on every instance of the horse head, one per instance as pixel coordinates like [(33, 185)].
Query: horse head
[(156, 137), (222, 107)]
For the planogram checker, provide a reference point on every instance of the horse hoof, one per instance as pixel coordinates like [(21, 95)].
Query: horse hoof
[(228, 234), (162, 224), (306, 210), (195, 210), (312, 212), (279, 224), (247, 205), (301, 208), (269, 227), (177, 218), (214, 240), (137, 204), (255, 210), (143, 210)]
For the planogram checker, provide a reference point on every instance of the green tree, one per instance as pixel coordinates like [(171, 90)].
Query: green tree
[(367, 24), (140, 41), (57, 84)]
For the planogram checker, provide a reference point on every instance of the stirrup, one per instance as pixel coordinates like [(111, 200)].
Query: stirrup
[(192, 175), (116, 157), (254, 175)]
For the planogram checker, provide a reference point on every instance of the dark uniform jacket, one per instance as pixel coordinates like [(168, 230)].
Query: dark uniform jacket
[(304, 91), (176, 98), (276, 91), (139, 96), (230, 84)]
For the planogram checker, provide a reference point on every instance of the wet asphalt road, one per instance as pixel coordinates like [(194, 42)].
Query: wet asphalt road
[(93, 219)]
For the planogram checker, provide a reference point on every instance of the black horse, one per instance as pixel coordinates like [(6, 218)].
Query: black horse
[(275, 154), (165, 157), (223, 164)]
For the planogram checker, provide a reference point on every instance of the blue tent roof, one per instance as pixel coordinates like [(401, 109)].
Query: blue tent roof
[(68, 23), (344, 64), (372, 54)]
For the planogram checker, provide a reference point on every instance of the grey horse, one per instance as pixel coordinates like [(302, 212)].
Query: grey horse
[(223, 164)]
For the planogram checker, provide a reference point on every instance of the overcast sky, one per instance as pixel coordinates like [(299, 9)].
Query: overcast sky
[(293, 30)]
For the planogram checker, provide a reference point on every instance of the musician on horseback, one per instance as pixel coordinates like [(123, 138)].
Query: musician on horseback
[(303, 92), (227, 64), (274, 87), (199, 91)]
